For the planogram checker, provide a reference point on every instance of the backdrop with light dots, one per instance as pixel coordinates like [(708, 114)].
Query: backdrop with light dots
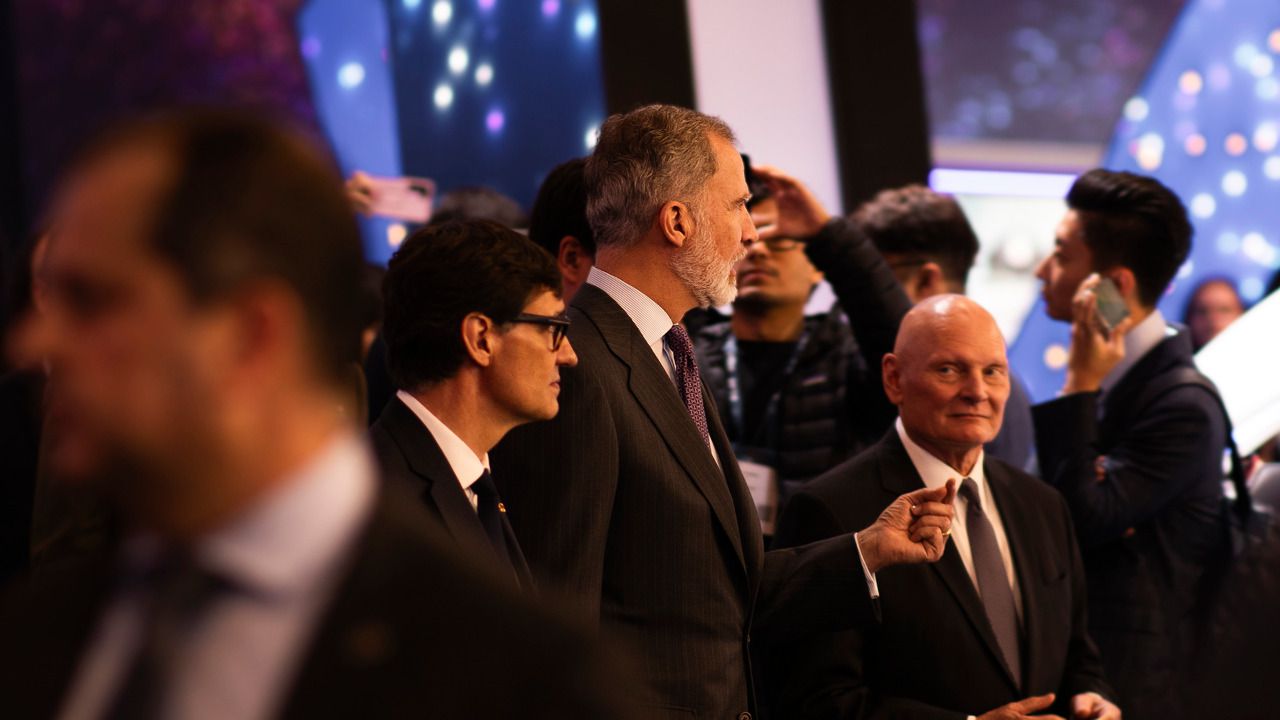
[(1206, 122), (466, 92)]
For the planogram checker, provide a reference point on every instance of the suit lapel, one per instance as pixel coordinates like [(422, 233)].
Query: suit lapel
[(440, 484), (748, 518), (900, 476), (657, 397)]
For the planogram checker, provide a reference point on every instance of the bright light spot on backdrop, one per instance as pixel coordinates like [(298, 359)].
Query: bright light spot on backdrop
[(466, 92)]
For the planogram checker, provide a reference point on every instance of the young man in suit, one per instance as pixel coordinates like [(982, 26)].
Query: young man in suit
[(1141, 473), (475, 334), (1003, 614), (631, 498), (200, 324)]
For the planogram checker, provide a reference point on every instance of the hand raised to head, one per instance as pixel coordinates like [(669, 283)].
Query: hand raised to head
[(912, 529), (800, 214)]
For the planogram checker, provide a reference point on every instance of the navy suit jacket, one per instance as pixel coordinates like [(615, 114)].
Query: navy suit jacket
[(1144, 484), (409, 457), (934, 655)]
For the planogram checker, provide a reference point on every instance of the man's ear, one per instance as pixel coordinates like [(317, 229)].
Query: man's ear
[(676, 222), (573, 260), (929, 281), (1126, 282), (479, 337), (891, 372)]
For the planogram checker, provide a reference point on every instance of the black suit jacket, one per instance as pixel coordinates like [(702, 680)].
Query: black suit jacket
[(619, 501), (1144, 484), (413, 630), (409, 456), (935, 655)]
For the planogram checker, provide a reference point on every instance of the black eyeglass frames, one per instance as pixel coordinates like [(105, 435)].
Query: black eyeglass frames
[(559, 325)]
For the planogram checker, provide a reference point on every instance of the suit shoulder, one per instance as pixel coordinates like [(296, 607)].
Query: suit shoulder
[(846, 481)]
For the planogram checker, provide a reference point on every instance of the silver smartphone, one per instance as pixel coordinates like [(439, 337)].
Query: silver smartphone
[(1111, 308)]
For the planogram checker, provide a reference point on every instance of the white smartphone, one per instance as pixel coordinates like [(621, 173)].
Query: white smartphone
[(1111, 307), (402, 198)]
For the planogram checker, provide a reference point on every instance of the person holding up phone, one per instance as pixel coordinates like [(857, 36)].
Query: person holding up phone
[(1134, 448)]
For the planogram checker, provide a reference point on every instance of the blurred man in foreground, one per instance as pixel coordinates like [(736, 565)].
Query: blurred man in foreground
[(1003, 614), (200, 323)]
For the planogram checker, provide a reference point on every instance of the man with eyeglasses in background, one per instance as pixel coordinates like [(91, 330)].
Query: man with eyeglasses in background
[(475, 333), (800, 394)]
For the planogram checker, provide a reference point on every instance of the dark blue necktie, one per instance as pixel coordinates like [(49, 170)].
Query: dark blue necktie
[(489, 508)]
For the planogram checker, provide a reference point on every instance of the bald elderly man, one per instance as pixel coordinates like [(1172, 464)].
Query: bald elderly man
[(997, 628)]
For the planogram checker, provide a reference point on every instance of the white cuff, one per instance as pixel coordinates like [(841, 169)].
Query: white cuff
[(872, 587)]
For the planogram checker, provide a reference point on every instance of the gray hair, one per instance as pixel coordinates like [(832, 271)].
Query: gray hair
[(643, 159)]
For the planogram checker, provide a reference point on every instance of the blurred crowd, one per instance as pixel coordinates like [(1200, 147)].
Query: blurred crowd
[(607, 458)]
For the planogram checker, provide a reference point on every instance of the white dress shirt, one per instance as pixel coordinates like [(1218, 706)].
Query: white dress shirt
[(282, 559), (935, 474), (1140, 340), (466, 466), (649, 318)]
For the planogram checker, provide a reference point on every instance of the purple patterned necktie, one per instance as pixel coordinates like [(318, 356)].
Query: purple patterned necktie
[(688, 382)]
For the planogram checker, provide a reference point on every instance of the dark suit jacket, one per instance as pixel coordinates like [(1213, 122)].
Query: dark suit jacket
[(413, 631), (409, 456), (619, 501), (934, 655), (1145, 489)]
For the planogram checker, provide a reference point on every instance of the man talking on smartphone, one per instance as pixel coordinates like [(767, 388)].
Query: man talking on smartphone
[(1135, 440)]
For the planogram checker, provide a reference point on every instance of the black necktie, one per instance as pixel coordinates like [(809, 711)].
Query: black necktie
[(490, 509), (993, 581), (688, 382), (181, 591)]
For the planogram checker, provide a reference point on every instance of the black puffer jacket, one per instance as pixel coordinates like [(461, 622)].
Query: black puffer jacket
[(833, 405)]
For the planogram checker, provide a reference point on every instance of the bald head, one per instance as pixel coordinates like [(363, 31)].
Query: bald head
[(949, 376), (940, 316)]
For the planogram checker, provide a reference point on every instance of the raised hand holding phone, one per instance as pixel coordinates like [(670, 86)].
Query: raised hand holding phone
[(1097, 345)]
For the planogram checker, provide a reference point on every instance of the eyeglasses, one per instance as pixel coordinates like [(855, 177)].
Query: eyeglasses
[(781, 244), (559, 325)]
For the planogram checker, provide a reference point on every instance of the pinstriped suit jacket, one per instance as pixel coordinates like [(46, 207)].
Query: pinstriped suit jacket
[(619, 501)]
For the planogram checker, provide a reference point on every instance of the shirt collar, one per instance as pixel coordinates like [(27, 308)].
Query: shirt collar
[(650, 319), (933, 471), (1139, 341), (465, 465), (295, 537)]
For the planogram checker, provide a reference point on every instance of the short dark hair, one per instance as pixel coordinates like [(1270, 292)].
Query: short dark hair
[(1133, 221), (252, 199), (921, 224), (441, 274), (478, 203), (561, 209)]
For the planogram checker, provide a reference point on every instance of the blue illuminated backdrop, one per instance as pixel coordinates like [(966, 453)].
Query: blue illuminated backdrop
[(466, 92), (1206, 122)]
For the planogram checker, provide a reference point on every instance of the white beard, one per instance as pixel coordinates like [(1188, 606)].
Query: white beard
[(708, 278)]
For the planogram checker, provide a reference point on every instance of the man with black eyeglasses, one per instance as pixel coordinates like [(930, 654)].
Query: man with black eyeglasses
[(475, 333), (801, 393)]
